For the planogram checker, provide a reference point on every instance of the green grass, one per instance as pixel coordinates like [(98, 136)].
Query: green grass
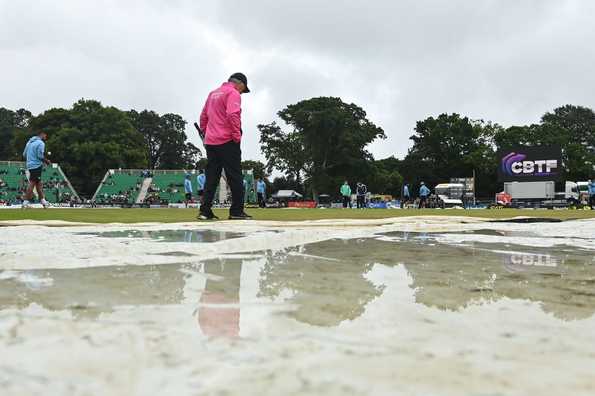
[(184, 215)]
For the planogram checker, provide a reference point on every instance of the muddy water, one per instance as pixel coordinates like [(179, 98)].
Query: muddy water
[(453, 313)]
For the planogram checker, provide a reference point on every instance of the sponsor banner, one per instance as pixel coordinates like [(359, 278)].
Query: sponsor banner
[(301, 204), (538, 163), (377, 205)]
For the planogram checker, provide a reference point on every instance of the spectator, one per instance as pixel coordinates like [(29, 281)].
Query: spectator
[(261, 189), (406, 195), (346, 194), (188, 189), (200, 185), (592, 193), (361, 191), (424, 192)]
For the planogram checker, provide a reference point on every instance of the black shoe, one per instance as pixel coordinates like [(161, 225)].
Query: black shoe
[(241, 216), (209, 215)]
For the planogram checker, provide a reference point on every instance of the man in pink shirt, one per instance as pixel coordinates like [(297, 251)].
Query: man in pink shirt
[(221, 121)]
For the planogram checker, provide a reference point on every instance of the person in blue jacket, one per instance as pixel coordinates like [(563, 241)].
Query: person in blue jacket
[(188, 189), (592, 193), (34, 155), (200, 184), (424, 193), (261, 189)]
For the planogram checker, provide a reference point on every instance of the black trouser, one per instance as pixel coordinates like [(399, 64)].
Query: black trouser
[(405, 200), (346, 201), (226, 157), (361, 201), (261, 200), (592, 201)]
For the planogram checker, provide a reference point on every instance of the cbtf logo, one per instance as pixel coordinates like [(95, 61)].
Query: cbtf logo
[(540, 260), (514, 164)]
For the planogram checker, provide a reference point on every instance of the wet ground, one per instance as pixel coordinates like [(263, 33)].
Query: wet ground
[(465, 310)]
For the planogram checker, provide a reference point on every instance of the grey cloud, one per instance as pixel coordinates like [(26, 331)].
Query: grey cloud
[(400, 60)]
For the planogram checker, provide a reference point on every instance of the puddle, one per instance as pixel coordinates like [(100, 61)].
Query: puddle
[(405, 235), (188, 236), (326, 281), (401, 310)]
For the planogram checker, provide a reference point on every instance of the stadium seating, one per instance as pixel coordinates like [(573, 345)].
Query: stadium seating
[(120, 187), (166, 186), (14, 182), (170, 185)]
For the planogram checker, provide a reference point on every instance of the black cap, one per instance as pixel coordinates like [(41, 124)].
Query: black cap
[(241, 77)]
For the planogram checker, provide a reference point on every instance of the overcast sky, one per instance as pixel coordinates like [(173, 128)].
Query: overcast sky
[(505, 61)]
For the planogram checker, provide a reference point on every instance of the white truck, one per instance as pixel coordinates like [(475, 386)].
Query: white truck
[(449, 194), (542, 194)]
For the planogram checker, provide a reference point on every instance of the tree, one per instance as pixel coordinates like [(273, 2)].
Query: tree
[(573, 128), (570, 127), (452, 146), (258, 167), (515, 136), (148, 123), (384, 177), (14, 128), (284, 151), (89, 139), (201, 164), (326, 144), (165, 140), (190, 155)]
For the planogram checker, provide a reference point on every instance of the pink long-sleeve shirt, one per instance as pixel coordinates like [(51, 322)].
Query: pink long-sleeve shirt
[(221, 117)]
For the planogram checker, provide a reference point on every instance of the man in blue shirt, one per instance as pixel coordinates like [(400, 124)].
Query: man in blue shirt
[(592, 193), (424, 193), (188, 189), (34, 154), (200, 182), (261, 189)]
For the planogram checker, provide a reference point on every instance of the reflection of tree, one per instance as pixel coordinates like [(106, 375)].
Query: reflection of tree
[(88, 292), (451, 277), (326, 290)]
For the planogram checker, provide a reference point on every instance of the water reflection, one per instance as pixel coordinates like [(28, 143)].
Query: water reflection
[(88, 292), (188, 236), (322, 284), (325, 285), (219, 309)]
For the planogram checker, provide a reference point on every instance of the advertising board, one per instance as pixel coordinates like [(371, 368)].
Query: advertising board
[(538, 163)]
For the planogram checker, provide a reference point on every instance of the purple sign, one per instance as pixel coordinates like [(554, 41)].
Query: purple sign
[(530, 164)]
